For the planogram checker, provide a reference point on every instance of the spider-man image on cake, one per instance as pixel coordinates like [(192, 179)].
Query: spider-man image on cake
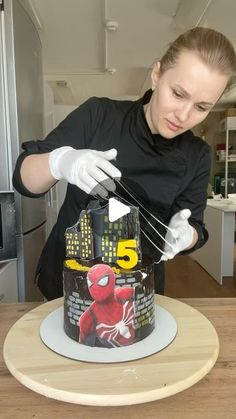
[(109, 320), (108, 281)]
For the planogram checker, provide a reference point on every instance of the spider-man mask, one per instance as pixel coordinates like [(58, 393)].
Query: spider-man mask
[(101, 282)]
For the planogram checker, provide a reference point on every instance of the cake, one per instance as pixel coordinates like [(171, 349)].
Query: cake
[(108, 282)]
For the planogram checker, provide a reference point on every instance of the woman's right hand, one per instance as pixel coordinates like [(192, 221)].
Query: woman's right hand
[(90, 170)]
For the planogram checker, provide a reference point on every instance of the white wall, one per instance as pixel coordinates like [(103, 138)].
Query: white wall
[(61, 111), (53, 115)]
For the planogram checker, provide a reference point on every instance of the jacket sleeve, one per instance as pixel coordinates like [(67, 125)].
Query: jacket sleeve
[(76, 131), (194, 197)]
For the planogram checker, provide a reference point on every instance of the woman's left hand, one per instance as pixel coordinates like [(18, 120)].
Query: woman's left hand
[(179, 236)]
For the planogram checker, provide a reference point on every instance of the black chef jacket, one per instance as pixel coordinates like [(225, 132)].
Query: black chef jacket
[(166, 175)]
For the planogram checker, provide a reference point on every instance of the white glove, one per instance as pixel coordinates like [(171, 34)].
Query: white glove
[(85, 169), (179, 236)]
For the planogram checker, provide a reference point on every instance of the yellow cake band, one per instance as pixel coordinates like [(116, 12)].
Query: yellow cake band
[(73, 264)]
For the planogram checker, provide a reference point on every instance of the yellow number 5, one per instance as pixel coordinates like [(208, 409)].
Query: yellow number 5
[(126, 248)]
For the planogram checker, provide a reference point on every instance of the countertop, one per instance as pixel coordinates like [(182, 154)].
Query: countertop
[(226, 205), (212, 397)]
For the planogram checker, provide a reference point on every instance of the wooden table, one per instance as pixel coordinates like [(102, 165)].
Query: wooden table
[(212, 397)]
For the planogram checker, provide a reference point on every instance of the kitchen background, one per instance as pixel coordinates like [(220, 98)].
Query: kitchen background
[(56, 54)]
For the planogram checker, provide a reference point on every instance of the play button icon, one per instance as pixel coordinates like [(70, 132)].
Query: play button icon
[(116, 209)]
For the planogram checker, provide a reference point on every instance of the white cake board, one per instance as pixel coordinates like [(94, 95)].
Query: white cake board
[(53, 336)]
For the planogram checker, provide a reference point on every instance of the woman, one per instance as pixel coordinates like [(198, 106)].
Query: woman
[(148, 142)]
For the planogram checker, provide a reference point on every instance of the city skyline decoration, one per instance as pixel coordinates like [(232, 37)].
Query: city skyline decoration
[(84, 242)]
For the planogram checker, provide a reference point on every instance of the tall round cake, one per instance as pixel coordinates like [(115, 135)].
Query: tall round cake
[(108, 283)]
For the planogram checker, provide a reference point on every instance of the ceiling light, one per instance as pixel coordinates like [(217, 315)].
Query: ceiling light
[(111, 25), (111, 71)]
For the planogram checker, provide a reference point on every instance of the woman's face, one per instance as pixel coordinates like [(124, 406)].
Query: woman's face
[(183, 95)]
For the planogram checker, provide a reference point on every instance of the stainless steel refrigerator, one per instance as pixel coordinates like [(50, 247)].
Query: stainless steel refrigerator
[(21, 119)]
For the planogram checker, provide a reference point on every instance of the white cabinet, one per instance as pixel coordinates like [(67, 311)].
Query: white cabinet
[(228, 123), (217, 255), (8, 282)]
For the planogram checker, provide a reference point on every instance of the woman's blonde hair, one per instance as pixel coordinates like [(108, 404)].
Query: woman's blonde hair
[(213, 48)]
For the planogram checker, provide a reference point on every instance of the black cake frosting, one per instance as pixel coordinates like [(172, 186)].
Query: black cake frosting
[(91, 241)]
